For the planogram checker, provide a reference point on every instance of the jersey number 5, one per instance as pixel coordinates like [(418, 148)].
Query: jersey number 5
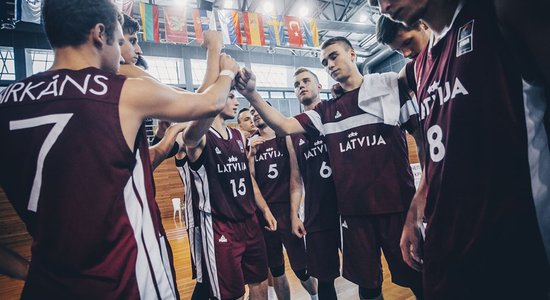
[(59, 121)]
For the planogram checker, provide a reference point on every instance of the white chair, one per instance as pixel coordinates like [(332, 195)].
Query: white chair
[(176, 203)]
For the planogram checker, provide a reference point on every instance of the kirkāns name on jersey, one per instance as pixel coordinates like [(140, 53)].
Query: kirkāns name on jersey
[(269, 153), (20, 91), (318, 148), (360, 142), (231, 167), (443, 93)]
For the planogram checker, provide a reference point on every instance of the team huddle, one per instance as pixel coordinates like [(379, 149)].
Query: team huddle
[(474, 228)]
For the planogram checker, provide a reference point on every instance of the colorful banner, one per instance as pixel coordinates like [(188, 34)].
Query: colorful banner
[(150, 21), (175, 24), (254, 29), (202, 21), (125, 6), (294, 31), (28, 10), (275, 25), (230, 26), (311, 33)]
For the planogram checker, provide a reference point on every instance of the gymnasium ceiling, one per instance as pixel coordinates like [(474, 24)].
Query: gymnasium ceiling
[(354, 19)]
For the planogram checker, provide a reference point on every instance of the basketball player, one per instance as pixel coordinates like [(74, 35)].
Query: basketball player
[(228, 197), (363, 129), (321, 226), (77, 169), (246, 125), (270, 166), (472, 114)]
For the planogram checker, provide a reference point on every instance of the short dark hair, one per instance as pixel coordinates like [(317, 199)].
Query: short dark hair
[(303, 70), (130, 26), (387, 29), (244, 109), (63, 31), (337, 39)]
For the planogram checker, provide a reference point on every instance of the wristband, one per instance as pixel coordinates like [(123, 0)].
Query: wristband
[(227, 72)]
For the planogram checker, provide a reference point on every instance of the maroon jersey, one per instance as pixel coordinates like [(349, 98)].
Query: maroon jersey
[(479, 206), (272, 167), (86, 197), (364, 138), (222, 178), (320, 209)]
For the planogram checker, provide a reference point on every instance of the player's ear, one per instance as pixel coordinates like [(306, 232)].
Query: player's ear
[(98, 35)]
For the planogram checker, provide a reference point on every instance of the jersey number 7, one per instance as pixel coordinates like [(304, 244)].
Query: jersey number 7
[(60, 121)]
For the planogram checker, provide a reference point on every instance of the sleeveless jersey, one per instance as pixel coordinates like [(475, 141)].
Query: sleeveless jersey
[(192, 221), (272, 167), (320, 209), (222, 178), (372, 174), (477, 173), (86, 198)]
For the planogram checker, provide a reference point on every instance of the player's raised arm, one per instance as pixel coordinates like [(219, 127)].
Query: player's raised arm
[(246, 85)]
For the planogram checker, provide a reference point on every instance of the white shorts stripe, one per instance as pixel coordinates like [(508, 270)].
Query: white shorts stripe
[(207, 232)]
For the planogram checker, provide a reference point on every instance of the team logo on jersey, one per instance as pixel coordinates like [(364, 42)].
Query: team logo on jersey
[(232, 159), (465, 41), (241, 146), (222, 239), (301, 142), (319, 142), (345, 224), (337, 115), (218, 151)]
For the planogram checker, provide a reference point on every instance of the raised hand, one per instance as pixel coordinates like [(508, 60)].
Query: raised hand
[(228, 63), (246, 82), (212, 40)]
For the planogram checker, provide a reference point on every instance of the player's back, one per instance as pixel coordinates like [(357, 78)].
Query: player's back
[(82, 192)]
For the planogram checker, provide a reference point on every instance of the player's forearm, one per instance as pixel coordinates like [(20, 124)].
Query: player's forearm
[(212, 67), (258, 197), (216, 95), (194, 133), (277, 121)]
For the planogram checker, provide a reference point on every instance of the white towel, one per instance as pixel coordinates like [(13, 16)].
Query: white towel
[(379, 96)]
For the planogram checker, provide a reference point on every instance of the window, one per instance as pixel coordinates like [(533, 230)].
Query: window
[(41, 60), (166, 69), (271, 75), (7, 64), (198, 70)]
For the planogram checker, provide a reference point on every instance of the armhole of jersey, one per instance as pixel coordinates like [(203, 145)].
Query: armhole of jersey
[(196, 165)]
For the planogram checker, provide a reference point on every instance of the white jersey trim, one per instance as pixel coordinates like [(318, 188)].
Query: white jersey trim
[(203, 189), (539, 156), (150, 257), (351, 122)]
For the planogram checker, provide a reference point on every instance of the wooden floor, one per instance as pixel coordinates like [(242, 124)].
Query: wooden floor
[(11, 289)]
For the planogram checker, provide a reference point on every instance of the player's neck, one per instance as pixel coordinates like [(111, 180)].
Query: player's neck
[(267, 133), (439, 15), (312, 104), (75, 58), (219, 125), (353, 82)]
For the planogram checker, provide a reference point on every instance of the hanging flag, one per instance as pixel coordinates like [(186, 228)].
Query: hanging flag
[(254, 29), (311, 33), (203, 20), (28, 10), (175, 24), (230, 26), (150, 21), (294, 31), (125, 6), (275, 30)]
